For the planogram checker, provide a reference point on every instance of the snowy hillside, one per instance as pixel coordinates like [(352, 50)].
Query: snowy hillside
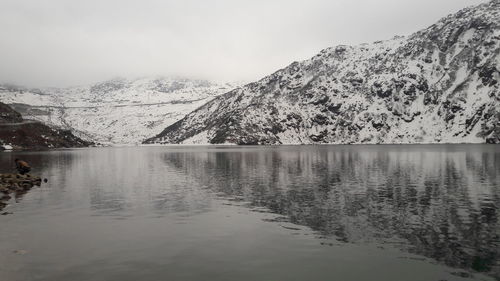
[(17, 133), (438, 85), (118, 111)]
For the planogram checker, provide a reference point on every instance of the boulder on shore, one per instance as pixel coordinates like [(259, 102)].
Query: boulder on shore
[(16, 183)]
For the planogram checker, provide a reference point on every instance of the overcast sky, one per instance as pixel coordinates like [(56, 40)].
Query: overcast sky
[(62, 42)]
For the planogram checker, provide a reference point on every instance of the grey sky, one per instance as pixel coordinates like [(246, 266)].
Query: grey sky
[(63, 42)]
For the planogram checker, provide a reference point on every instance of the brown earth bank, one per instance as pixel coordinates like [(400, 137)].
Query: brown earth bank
[(23, 134), (17, 185)]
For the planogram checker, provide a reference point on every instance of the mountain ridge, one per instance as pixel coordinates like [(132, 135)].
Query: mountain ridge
[(438, 85)]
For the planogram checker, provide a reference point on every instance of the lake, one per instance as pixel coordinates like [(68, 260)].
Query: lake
[(388, 212)]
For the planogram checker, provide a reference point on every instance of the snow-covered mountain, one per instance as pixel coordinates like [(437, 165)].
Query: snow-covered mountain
[(438, 85), (118, 111)]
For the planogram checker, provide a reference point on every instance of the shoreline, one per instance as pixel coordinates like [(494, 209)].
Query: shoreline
[(17, 185)]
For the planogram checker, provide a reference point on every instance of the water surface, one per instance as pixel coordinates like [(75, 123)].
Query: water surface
[(403, 212)]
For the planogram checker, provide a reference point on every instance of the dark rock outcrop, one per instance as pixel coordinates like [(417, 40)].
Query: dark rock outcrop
[(27, 134), (9, 115)]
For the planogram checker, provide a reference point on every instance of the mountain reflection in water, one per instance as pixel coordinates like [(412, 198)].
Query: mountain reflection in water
[(440, 203), (153, 213)]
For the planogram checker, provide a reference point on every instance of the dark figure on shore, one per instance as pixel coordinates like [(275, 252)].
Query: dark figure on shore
[(22, 167)]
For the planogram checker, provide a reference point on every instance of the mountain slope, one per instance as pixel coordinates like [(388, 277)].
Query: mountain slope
[(438, 85), (118, 111), (17, 133)]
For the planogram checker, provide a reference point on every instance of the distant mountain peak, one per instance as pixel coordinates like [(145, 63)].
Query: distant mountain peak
[(116, 111)]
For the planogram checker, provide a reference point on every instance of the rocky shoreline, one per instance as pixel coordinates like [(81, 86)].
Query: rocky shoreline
[(16, 184)]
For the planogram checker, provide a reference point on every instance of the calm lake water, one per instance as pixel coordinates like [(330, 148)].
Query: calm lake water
[(427, 213)]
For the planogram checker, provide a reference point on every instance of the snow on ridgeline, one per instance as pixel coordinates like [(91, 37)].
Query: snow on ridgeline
[(118, 111), (439, 85)]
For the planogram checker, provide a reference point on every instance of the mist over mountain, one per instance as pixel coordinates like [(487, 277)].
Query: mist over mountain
[(438, 85)]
